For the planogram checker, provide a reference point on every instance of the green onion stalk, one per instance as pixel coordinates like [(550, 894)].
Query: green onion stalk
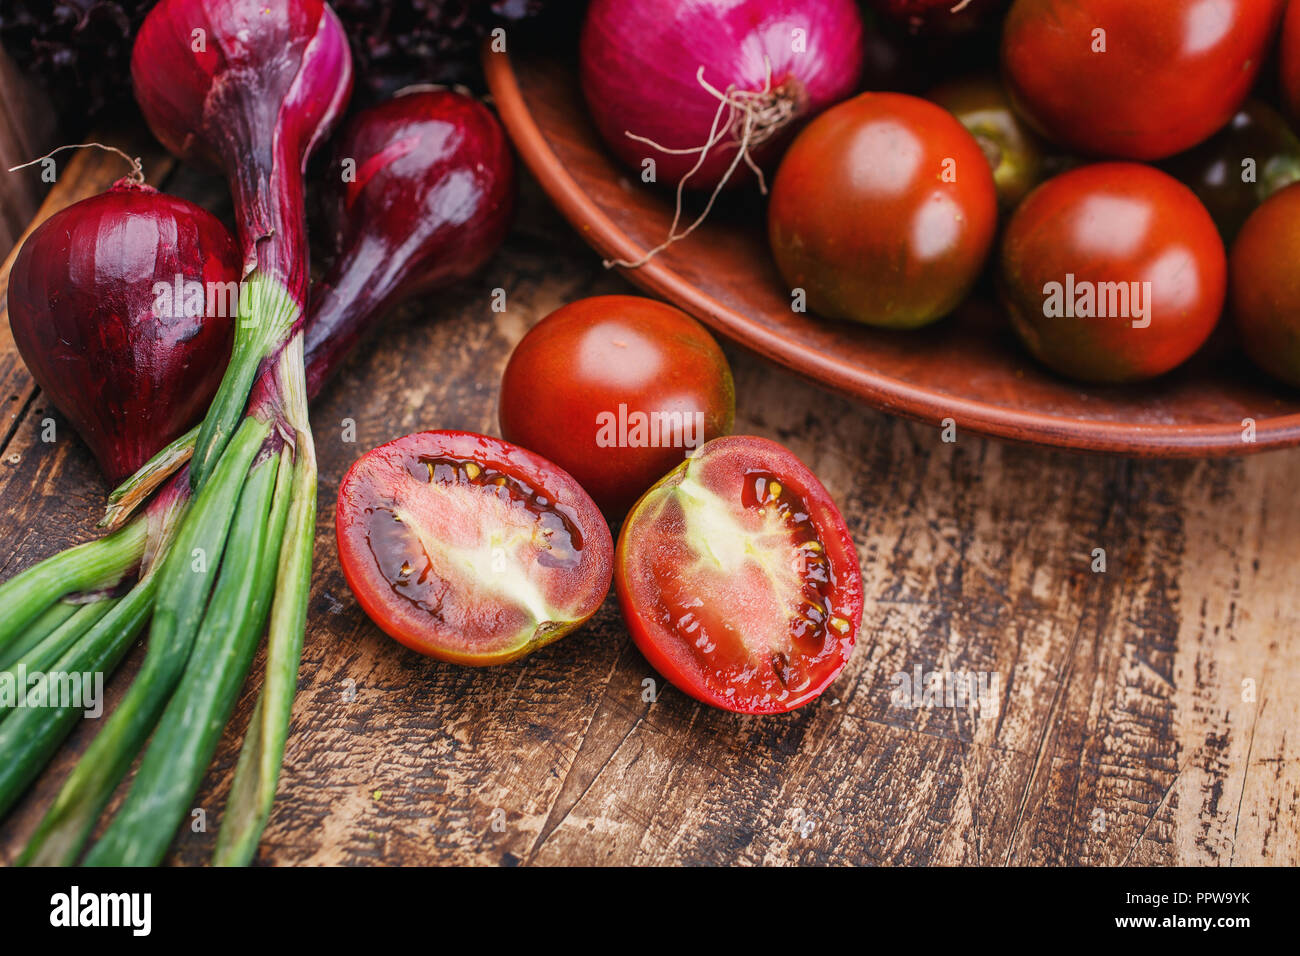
[(56, 601), (30, 599), (89, 641), (267, 572), (242, 554), (185, 579)]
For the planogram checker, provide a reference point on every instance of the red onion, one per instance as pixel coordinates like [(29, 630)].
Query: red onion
[(252, 88), (706, 84), (431, 202), (129, 368)]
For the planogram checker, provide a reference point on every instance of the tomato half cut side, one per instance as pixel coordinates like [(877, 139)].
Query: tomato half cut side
[(469, 549), (739, 580)]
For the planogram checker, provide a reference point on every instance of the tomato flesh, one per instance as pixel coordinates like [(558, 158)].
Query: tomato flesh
[(469, 549), (739, 580)]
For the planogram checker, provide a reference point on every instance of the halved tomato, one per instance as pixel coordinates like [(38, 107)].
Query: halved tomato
[(738, 578), (470, 549)]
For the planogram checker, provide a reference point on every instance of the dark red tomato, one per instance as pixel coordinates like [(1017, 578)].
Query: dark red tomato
[(883, 211), (616, 389), (1266, 285), (738, 578), (1234, 171), (1134, 80), (1113, 272), (1290, 57), (1015, 152), (469, 549)]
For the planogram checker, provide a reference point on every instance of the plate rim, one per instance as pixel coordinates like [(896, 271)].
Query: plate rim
[(883, 392)]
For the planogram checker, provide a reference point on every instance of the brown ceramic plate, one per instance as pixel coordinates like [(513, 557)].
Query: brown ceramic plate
[(968, 368)]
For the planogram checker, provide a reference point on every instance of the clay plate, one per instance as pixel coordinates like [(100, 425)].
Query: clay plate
[(968, 368)]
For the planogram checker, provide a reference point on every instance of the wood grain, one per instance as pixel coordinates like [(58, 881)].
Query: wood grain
[(26, 130), (1118, 734)]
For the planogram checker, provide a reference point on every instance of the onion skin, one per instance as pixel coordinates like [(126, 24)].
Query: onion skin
[(432, 201), (639, 63), (81, 305), (266, 90)]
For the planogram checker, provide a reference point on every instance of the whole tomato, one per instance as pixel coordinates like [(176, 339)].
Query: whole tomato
[(1134, 80), (883, 211), (616, 390), (1266, 285), (1290, 56), (1234, 171), (1113, 273)]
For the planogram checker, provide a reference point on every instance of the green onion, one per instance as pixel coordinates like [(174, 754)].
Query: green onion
[(185, 580), (127, 496), (102, 563), (30, 735), (258, 771), (66, 635), (187, 735), (263, 328), (49, 621)]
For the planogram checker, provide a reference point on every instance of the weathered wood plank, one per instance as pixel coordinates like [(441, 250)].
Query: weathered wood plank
[(26, 127)]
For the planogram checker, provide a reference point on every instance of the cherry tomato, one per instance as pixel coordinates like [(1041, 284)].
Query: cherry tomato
[(1266, 285), (1113, 272), (1134, 80), (738, 578), (616, 390), (1254, 156), (1014, 151), (1290, 59), (883, 211), (468, 549)]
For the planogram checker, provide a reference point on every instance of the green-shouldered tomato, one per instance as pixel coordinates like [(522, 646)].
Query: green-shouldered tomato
[(883, 212), (1113, 273), (1265, 280)]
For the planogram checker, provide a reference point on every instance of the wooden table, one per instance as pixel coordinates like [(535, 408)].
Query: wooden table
[(1145, 715)]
